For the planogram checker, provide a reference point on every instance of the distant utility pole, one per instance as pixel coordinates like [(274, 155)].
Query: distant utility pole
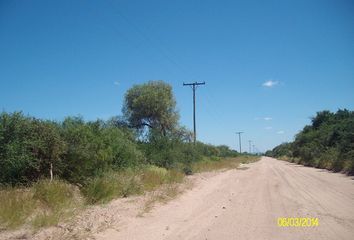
[(239, 139), (249, 144), (194, 87), (253, 148)]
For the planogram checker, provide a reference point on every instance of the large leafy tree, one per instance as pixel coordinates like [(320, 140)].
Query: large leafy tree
[(151, 105)]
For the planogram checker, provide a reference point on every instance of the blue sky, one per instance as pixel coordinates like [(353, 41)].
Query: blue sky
[(268, 65)]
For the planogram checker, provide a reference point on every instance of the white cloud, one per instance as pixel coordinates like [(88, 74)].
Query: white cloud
[(264, 118), (270, 83), (116, 83), (280, 132), (268, 128)]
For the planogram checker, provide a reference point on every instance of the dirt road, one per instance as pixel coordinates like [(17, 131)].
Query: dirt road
[(246, 204)]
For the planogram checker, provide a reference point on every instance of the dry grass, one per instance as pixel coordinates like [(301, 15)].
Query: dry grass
[(208, 165), (44, 204), (16, 205), (129, 182), (164, 194), (163, 185), (112, 185), (56, 201)]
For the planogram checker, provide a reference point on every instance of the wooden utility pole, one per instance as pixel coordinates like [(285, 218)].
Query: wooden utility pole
[(194, 87), (239, 139)]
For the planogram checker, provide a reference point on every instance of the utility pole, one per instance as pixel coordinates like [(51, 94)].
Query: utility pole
[(253, 148), (239, 139), (194, 87), (249, 144)]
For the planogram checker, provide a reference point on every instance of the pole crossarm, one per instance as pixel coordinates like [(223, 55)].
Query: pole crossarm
[(194, 84)]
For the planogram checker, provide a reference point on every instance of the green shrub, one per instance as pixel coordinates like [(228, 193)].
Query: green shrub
[(188, 170), (94, 148), (327, 143), (169, 152), (28, 147)]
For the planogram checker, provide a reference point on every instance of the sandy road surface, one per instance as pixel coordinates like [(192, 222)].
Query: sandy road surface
[(245, 204)]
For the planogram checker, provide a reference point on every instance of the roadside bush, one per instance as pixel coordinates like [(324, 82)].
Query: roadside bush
[(94, 149), (225, 151), (169, 152), (187, 170), (29, 149), (327, 143)]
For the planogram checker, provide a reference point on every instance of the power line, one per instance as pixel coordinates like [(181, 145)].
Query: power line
[(194, 85), (239, 139)]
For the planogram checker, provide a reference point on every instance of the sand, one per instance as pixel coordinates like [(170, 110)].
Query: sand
[(246, 204)]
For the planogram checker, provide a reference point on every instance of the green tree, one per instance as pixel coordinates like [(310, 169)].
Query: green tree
[(151, 105)]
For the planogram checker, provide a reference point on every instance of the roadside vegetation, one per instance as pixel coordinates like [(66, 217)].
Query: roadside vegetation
[(327, 143), (49, 170), (43, 204)]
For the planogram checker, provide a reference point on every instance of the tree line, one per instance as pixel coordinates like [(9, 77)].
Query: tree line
[(76, 150), (328, 142)]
